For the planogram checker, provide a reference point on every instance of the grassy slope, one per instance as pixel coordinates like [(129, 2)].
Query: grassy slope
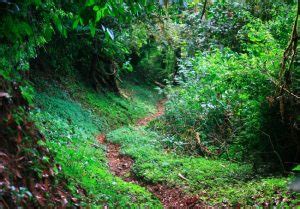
[(215, 181), (71, 116)]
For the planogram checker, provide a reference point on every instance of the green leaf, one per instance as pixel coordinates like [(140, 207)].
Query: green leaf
[(89, 3), (58, 23), (297, 168), (75, 23), (96, 8), (99, 15), (64, 33), (92, 29)]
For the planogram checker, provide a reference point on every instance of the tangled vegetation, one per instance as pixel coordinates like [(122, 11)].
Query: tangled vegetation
[(77, 76)]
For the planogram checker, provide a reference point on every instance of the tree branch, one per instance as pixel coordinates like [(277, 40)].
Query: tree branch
[(203, 10)]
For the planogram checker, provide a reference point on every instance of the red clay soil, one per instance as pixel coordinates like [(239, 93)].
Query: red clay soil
[(174, 197), (121, 165)]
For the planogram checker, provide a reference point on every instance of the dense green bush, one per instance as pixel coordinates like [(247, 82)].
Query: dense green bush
[(224, 104), (222, 97), (219, 28)]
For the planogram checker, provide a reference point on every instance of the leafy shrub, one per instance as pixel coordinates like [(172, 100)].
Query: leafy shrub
[(223, 21), (222, 98), (280, 25)]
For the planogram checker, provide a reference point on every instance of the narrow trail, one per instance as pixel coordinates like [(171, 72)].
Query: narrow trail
[(120, 165)]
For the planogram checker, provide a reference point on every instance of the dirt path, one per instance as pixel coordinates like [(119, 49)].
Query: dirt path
[(160, 110), (120, 165)]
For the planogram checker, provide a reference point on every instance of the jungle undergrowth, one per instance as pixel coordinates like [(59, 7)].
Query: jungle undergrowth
[(215, 182), (72, 116)]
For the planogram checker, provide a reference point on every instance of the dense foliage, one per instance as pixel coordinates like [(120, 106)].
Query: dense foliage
[(224, 105), (70, 70)]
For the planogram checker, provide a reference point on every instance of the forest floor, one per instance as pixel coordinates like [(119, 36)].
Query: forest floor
[(121, 166), (133, 165)]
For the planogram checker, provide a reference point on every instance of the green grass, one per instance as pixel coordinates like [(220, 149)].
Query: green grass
[(215, 180), (70, 115), (70, 118), (136, 102)]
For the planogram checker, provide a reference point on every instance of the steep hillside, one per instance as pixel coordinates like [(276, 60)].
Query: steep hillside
[(71, 118)]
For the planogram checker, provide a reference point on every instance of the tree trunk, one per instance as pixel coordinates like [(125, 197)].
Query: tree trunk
[(103, 74)]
